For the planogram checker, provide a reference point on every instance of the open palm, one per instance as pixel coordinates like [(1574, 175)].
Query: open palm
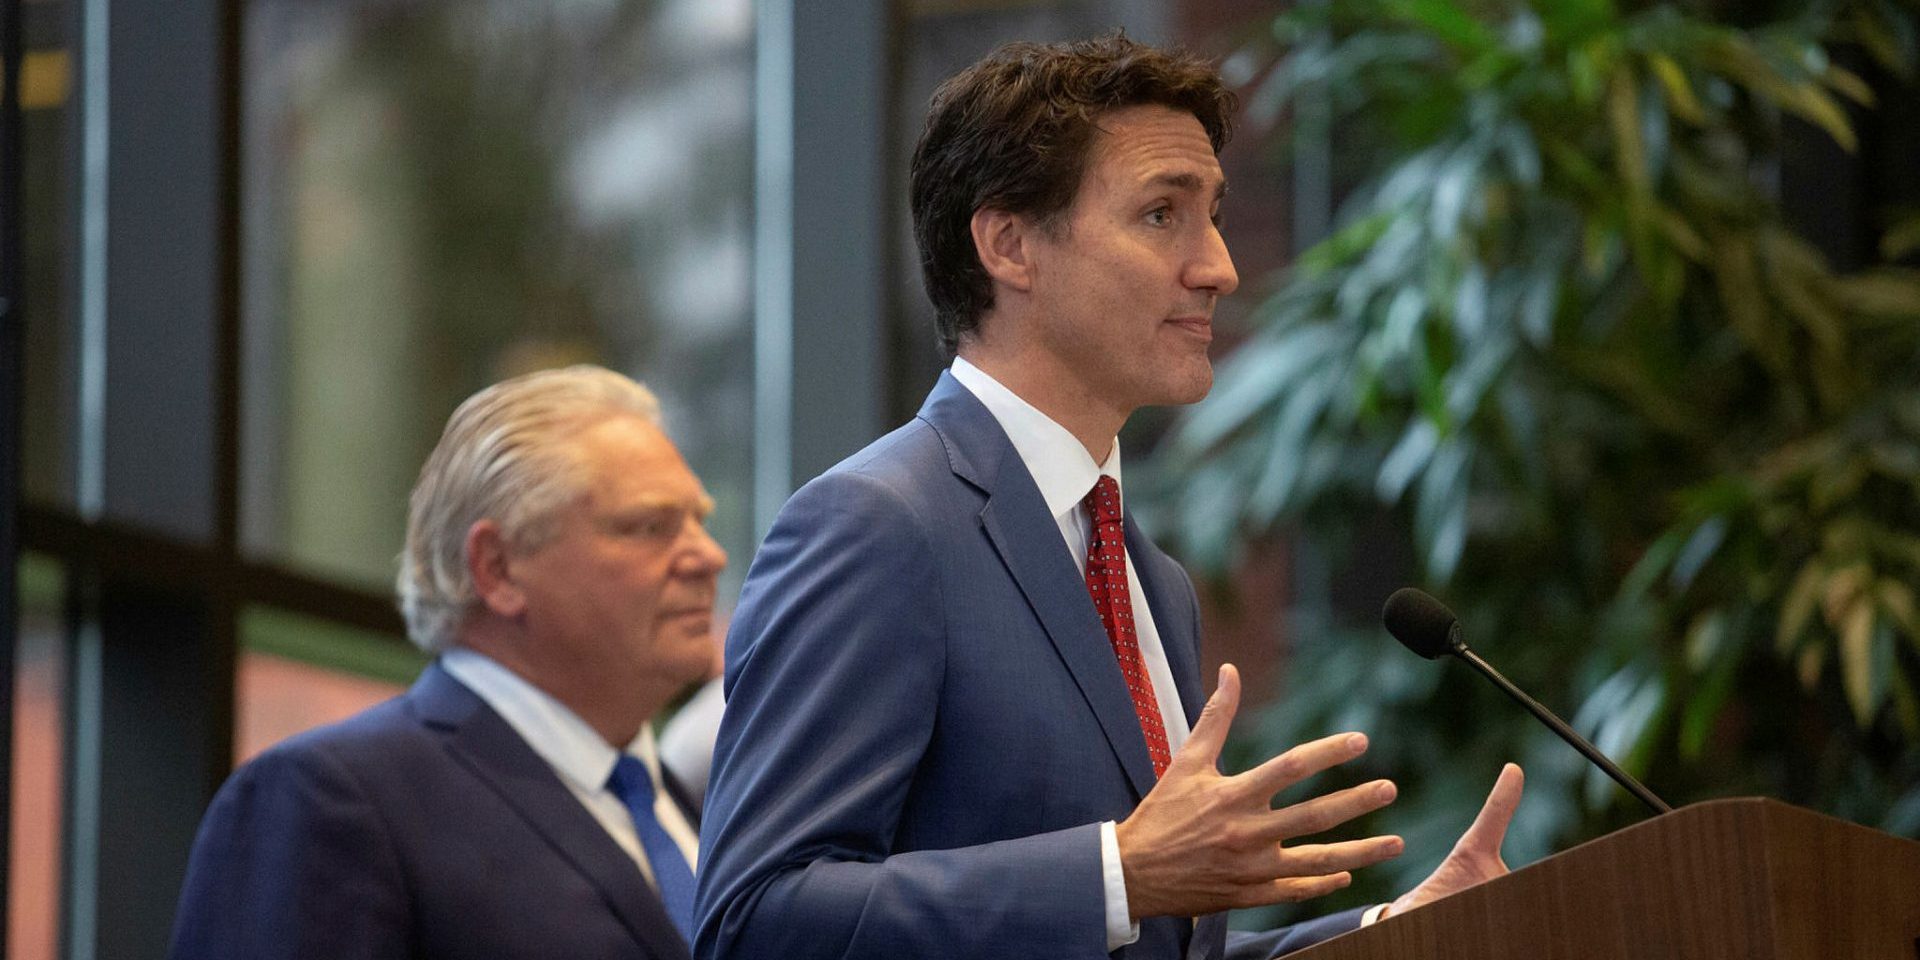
[(1476, 857)]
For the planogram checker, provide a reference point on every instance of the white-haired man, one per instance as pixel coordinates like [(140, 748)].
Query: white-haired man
[(510, 804)]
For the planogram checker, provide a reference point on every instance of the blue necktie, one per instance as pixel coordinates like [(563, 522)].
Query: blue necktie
[(671, 874)]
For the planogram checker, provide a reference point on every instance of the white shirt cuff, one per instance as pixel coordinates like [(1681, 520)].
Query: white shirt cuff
[(1121, 930), (1372, 915)]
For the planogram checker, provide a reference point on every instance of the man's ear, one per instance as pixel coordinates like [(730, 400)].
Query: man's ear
[(490, 567), (1004, 242)]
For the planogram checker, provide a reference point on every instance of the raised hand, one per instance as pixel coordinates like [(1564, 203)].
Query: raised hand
[(1200, 842), (1476, 857)]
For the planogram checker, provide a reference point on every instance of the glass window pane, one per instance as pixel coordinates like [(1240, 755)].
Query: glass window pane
[(438, 195), (47, 124), (298, 672), (33, 876)]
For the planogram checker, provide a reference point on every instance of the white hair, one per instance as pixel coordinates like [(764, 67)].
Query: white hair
[(504, 456)]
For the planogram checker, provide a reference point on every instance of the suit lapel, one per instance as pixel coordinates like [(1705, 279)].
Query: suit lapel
[(478, 738), (1028, 541)]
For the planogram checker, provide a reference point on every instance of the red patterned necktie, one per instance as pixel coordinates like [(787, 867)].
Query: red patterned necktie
[(1107, 583)]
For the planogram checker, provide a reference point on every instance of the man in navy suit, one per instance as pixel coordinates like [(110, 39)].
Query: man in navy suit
[(964, 712), (510, 804)]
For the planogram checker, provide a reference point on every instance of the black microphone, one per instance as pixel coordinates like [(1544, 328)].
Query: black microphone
[(1425, 626)]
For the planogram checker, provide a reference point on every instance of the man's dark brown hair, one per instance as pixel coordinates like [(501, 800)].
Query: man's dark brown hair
[(1012, 133)]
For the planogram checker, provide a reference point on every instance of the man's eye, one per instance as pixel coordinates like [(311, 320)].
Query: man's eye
[(1160, 216), (654, 527)]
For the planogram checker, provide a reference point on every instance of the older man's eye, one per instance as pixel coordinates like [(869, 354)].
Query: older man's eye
[(652, 526), (1160, 216)]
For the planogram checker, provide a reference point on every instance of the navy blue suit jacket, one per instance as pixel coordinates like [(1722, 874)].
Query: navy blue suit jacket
[(925, 721), (424, 827)]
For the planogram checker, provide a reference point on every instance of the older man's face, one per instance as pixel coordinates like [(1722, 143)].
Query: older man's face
[(1125, 292), (626, 585)]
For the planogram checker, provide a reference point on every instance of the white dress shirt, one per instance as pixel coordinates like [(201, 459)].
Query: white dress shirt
[(576, 753), (1065, 474)]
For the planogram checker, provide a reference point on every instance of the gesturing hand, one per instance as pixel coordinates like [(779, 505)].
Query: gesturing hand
[(1200, 842), (1476, 857)]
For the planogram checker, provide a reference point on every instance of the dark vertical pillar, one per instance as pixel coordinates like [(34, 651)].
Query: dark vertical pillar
[(151, 699), (12, 392), (820, 285)]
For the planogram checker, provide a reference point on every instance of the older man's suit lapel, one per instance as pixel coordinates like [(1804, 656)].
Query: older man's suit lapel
[(1027, 540), (486, 744)]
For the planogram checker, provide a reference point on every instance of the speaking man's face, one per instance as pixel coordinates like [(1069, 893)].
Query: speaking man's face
[(1125, 286)]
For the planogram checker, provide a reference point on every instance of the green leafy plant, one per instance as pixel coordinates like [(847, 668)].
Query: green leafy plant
[(1565, 341)]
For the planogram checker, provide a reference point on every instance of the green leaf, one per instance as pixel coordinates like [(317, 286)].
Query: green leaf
[(1706, 637), (1802, 599), (1848, 84), (1856, 662), (1906, 705), (1448, 22), (1408, 457), (1681, 233), (1809, 664), (1812, 104), (1902, 238), (1679, 92), (1467, 384), (1842, 592), (1880, 41), (1657, 557), (1889, 293), (1741, 292), (1623, 118), (1735, 56), (1440, 515), (1700, 547), (1896, 599)]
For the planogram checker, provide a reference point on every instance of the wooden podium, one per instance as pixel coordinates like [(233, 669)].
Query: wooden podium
[(1744, 879)]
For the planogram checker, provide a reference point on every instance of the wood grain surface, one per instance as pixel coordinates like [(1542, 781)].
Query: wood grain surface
[(1742, 879)]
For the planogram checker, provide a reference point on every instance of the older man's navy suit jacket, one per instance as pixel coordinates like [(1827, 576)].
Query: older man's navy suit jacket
[(424, 827)]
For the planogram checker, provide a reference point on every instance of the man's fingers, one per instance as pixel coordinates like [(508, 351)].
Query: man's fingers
[(1490, 826), (1210, 733), (1323, 813), (1302, 762), (1297, 889), (1311, 859)]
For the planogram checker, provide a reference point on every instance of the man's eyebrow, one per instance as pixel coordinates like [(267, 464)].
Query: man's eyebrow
[(700, 503), (1188, 181)]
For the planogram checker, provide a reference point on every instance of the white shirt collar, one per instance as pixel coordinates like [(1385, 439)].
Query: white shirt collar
[(569, 745), (1061, 466)]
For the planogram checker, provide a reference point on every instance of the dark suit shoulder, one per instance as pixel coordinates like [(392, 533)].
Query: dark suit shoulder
[(900, 461)]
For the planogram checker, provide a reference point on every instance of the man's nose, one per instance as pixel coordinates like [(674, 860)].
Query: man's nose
[(705, 555), (1212, 267)]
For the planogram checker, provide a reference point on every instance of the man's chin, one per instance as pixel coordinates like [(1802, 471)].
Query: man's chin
[(1188, 385)]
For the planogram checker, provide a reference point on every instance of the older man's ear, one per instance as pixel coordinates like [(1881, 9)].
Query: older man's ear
[(490, 564)]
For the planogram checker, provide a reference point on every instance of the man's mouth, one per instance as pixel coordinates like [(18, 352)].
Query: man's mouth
[(1201, 327)]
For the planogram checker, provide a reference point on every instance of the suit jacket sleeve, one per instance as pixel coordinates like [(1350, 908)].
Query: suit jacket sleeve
[(835, 666), (292, 862), (1299, 936)]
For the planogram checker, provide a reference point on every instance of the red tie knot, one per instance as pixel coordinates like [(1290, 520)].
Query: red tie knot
[(1103, 501)]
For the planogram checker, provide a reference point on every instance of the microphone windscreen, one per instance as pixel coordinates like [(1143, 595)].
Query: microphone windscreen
[(1423, 624)]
